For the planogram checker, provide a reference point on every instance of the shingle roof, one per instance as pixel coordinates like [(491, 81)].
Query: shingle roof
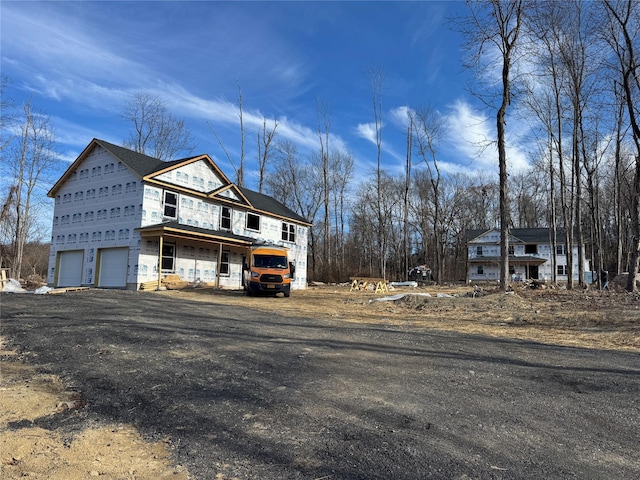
[(138, 162), (270, 204)]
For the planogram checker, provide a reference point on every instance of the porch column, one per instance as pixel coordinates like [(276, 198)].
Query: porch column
[(218, 267), (160, 262)]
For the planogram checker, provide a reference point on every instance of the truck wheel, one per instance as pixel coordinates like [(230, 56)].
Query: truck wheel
[(286, 294)]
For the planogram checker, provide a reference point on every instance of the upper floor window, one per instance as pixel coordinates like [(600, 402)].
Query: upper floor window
[(170, 204), (531, 249), (511, 250), (479, 251), (253, 221), (560, 249), (225, 218), (288, 232)]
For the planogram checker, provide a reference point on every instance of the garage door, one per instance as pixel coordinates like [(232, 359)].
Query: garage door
[(112, 270), (70, 268)]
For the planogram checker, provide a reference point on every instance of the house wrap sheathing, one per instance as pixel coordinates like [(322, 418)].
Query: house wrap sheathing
[(122, 219)]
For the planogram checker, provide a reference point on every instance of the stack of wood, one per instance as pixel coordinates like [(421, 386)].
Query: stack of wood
[(170, 282)]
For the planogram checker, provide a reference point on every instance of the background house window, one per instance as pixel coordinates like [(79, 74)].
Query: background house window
[(562, 270), (511, 250), (288, 232), (170, 205), (560, 249), (225, 218), (512, 270), (253, 221), (480, 270), (479, 251), (531, 249), (168, 257)]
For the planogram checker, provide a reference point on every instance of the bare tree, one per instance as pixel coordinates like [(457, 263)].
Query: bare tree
[(376, 82), (324, 124), (429, 129), (240, 171), (495, 25), (624, 26), (157, 132), (264, 143), (32, 161), (298, 184)]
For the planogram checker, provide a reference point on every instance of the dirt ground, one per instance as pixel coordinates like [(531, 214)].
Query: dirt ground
[(584, 318)]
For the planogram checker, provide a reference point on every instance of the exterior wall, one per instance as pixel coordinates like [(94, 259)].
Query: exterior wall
[(197, 176), (99, 206), (103, 203)]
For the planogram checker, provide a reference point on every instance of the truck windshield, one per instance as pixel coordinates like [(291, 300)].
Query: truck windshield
[(270, 261)]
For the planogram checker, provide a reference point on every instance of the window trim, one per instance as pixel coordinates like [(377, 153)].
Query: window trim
[(166, 204), (288, 233), (257, 217), (223, 217), (225, 260), (164, 256)]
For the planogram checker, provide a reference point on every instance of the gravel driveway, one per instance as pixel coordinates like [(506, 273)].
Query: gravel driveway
[(241, 393)]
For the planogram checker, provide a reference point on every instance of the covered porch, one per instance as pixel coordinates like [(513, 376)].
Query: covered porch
[(193, 254)]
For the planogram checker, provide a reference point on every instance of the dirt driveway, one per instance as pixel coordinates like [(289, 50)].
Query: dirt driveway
[(233, 391)]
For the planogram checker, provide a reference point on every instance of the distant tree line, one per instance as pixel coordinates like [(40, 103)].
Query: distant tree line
[(568, 69)]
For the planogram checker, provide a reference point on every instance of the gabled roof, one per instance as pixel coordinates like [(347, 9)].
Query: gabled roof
[(525, 235), (146, 167)]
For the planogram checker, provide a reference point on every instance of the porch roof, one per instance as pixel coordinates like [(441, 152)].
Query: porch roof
[(179, 230), (513, 260)]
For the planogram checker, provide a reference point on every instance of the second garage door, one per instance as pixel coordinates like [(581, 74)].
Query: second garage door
[(112, 270)]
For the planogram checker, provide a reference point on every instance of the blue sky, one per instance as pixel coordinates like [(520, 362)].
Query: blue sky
[(81, 62)]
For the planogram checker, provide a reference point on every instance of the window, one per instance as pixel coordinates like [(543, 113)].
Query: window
[(511, 250), (480, 270), (224, 263), (562, 270), (170, 205), (288, 232), (479, 251), (560, 249), (168, 257), (253, 221), (225, 218), (512, 270), (531, 249)]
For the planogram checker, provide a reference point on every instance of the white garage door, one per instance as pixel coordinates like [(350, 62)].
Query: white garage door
[(70, 268), (113, 267)]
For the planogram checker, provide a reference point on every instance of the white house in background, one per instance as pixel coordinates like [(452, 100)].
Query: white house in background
[(122, 219), (530, 255)]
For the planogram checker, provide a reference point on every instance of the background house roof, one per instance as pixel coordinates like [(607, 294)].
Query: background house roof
[(526, 235)]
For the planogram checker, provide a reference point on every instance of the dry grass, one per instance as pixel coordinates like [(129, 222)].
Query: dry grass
[(585, 318)]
